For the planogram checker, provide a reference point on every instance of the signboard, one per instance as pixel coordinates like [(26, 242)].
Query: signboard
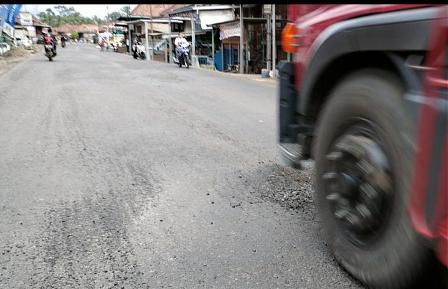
[(229, 30), (8, 29), (197, 23), (13, 11), (3, 13), (8, 15), (26, 19), (267, 9)]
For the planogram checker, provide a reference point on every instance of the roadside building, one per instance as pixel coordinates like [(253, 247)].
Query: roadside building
[(150, 23), (219, 36), (198, 29), (82, 32), (39, 26), (251, 38)]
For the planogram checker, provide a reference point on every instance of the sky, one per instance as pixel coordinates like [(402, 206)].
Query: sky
[(85, 10)]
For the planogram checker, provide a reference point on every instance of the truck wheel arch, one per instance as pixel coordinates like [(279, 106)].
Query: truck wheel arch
[(378, 41)]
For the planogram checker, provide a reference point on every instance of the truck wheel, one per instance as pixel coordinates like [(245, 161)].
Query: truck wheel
[(364, 152)]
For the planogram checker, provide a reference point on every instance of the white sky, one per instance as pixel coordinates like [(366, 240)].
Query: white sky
[(85, 10)]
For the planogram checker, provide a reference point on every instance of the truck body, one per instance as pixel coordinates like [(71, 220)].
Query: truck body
[(366, 97)]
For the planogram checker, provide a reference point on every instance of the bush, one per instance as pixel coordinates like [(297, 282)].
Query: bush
[(74, 35)]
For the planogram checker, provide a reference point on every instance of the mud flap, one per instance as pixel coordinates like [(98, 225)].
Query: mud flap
[(287, 104), (288, 125)]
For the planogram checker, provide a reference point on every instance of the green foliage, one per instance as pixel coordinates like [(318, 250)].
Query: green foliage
[(74, 35), (68, 15), (125, 10), (114, 16)]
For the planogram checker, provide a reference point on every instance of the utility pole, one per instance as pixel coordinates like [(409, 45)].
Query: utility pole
[(268, 42), (241, 40), (213, 47), (169, 41), (129, 31), (107, 24), (152, 32), (274, 43), (146, 41), (193, 40)]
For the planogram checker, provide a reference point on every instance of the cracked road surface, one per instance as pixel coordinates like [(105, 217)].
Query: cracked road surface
[(118, 173)]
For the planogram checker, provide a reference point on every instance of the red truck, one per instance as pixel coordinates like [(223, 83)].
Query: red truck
[(366, 96)]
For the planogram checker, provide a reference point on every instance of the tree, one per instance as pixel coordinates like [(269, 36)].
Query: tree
[(66, 15), (114, 16), (74, 35), (97, 20), (125, 10)]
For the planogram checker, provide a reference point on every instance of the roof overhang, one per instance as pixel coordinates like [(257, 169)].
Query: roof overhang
[(131, 18), (161, 21), (189, 10)]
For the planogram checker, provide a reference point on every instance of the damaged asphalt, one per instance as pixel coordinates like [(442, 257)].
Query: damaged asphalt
[(119, 173)]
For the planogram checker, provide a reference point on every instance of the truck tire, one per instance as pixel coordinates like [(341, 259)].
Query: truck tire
[(364, 152)]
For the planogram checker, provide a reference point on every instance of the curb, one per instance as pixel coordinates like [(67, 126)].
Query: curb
[(243, 76)]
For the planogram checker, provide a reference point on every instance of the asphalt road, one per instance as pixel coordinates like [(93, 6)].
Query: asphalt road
[(122, 173)]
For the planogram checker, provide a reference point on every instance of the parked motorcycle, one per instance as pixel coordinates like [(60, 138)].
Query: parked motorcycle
[(139, 50)]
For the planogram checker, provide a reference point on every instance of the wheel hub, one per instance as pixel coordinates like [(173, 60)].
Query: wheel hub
[(358, 184)]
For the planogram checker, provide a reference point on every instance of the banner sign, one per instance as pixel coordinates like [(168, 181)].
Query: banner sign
[(197, 23), (3, 13), (229, 30), (8, 29), (13, 11), (8, 14), (26, 19)]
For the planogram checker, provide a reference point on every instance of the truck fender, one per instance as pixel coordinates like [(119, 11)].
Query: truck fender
[(402, 31)]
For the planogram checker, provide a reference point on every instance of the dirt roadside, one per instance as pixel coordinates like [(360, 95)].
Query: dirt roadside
[(15, 56)]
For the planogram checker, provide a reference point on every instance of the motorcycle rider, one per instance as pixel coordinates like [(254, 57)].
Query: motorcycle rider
[(50, 39), (63, 39), (180, 42), (50, 33), (137, 41)]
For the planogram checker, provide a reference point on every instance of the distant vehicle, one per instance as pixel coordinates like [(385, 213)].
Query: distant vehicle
[(50, 51), (183, 58), (63, 40), (138, 50), (365, 96)]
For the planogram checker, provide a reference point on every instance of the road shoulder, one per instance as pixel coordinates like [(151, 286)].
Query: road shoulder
[(14, 57)]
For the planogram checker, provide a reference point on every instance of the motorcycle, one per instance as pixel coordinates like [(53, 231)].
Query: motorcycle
[(103, 45), (49, 51), (183, 56), (139, 50)]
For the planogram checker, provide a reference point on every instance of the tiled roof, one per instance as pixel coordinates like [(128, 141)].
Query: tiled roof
[(171, 9), (157, 9), (67, 28), (38, 22)]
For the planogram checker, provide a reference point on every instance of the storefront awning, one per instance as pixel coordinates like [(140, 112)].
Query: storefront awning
[(209, 17)]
